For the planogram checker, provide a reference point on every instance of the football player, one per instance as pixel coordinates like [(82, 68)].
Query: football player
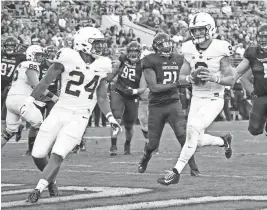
[(54, 88), (124, 98), (161, 70), (10, 59), (83, 71), (207, 66), (25, 77), (255, 58)]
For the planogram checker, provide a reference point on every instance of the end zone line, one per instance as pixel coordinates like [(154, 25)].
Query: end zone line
[(178, 202), (145, 174)]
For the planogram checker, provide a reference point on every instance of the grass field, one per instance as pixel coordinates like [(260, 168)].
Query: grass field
[(94, 180)]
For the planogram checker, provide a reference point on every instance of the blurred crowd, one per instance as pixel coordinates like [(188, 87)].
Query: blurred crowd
[(55, 22)]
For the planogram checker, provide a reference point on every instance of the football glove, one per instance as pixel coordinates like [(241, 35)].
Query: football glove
[(195, 76), (129, 91), (114, 124)]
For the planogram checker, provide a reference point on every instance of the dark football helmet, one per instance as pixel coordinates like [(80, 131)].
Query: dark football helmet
[(50, 51), (134, 50), (262, 36), (10, 45), (163, 45)]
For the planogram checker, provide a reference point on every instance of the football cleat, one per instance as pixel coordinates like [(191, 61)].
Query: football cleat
[(113, 150), (227, 145), (53, 190), (195, 172), (172, 177), (82, 146), (143, 163), (76, 149), (18, 134), (34, 196), (127, 149)]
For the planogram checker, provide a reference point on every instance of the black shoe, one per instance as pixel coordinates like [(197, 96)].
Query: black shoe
[(82, 146), (18, 134), (227, 145), (143, 163), (195, 172), (172, 177), (113, 150), (28, 153), (76, 149), (53, 190), (127, 149), (34, 196)]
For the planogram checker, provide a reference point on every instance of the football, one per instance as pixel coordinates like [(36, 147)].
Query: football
[(195, 74)]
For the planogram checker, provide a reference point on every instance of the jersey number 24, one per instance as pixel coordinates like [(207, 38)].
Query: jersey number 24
[(90, 87)]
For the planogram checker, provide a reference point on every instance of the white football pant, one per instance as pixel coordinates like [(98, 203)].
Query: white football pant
[(143, 115), (63, 130), (14, 118)]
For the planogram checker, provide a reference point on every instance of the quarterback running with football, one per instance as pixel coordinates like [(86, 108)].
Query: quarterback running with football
[(83, 71), (207, 66), (25, 77), (255, 58), (161, 70), (124, 98)]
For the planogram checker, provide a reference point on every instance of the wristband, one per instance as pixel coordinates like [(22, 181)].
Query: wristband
[(218, 79), (54, 98), (109, 114), (187, 78), (135, 91), (50, 94)]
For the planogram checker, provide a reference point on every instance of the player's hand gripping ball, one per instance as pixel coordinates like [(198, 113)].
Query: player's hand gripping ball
[(196, 76)]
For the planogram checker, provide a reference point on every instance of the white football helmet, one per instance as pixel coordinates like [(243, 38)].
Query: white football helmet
[(90, 40), (202, 20), (35, 53)]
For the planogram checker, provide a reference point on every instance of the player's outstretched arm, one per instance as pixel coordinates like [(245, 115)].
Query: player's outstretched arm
[(115, 71), (53, 72), (151, 81), (104, 105), (142, 85), (32, 76), (185, 74), (245, 81), (226, 69), (243, 67)]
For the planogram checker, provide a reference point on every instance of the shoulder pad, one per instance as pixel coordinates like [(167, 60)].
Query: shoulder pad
[(102, 64), (30, 65), (65, 55), (225, 47), (187, 47), (250, 52), (147, 62)]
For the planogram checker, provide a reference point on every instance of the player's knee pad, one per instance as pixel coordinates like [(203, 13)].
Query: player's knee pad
[(256, 124), (192, 136), (34, 117), (128, 125)]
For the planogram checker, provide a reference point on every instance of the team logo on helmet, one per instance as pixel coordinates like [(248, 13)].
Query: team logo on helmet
[(163, 45)]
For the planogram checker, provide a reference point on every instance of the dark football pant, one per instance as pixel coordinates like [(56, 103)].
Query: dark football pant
[(124, 108), (4, 93), (258, 115), (174, 115)]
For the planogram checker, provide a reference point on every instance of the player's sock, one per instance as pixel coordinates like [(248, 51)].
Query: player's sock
[(209, 140), (42, 184), (31, 141), (127, 142), (114, 141)]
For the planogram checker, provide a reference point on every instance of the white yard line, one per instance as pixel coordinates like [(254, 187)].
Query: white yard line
[(179, 202), (145, 174)]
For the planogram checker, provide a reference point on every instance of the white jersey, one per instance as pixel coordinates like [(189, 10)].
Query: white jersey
[(20, 84), (210, 58), (79, 80)]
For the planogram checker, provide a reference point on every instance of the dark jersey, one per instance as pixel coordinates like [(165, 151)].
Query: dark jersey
[(258, 63), (8, 65), (167, 71), (129, 75), (54, 86)]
